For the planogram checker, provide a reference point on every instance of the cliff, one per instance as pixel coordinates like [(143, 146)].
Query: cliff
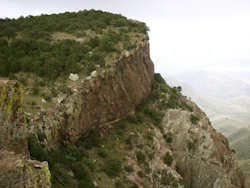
[(118, 125), (110, 95)]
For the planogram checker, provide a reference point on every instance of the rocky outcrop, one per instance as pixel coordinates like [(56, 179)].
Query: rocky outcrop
[(18, 171), (110, 94), (203, 156)]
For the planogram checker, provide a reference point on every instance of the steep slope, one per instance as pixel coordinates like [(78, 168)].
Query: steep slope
[(240, 142), (115, 125)]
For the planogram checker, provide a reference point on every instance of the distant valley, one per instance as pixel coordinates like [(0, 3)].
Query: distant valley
[(225, 97)]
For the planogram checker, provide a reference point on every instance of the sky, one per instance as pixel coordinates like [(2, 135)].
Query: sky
[(184, 34)]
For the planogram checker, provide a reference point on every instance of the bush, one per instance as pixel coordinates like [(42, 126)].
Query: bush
[(191, 146), (187, 107), (113, 167), (158, 78), (140, 174), (119, 184), (93, 140), (168, 179), (156, 116), (168, 159), (168, 137), (102, 153), (81, 171), (136, 119), (129, 143), (85, 184), (140, 156), (194, 119), (36, 150), (154, 95), (35, 91), (129, 168), (173, 101), (134, 186)]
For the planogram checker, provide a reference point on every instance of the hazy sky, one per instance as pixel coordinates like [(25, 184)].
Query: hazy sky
[(185, 34)]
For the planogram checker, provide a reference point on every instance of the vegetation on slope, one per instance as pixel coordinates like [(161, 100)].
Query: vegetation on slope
[(58, 44), (127, 149), (40, 52)]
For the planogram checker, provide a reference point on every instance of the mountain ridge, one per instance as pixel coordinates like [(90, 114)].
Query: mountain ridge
[(113, 123)]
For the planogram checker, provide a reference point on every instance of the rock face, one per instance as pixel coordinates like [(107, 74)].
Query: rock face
[(112, 95), (203, 156), (18, 171)]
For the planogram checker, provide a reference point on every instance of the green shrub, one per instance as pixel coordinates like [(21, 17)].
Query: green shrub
[(151, 155), (164, 90), (119, 184), (36, 150), (150, 136), (140, 174), (154, 95), (168, 159), (173, 101), (90, 164), (168, 179), (23, 81), (140, 156), (129, 168), (93, 140), (187, 107), (113, 167), (222, 158), (102, 153), (129, 143), (94, 42), (158, 78), (60, 176), (191, 146), (168, 137), (35, 91), (141, 106), (85, 184), (134, 186), (156, 116), (33, 103), (136, 119), (81, 171), (194, 119)]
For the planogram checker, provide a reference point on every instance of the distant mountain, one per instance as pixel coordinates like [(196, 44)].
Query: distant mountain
[(225, 97)]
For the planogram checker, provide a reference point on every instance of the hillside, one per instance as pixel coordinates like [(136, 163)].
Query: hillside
[(225, 100), (240, 142), (80, 108)]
